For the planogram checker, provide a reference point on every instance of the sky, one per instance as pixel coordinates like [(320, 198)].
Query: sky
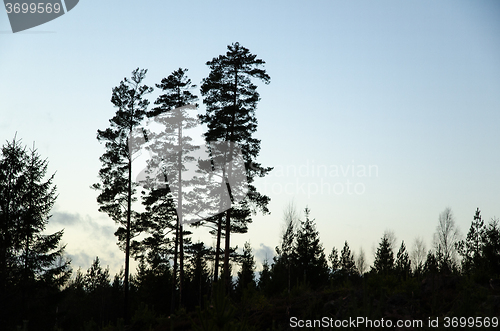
[(379, 114)]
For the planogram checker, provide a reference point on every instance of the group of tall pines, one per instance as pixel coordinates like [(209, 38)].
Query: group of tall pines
[(231, 98), (184, 285)]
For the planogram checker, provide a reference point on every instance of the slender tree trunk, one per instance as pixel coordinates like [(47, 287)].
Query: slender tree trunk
[(217, 248), (127, 240), (226, 252), (174, 278), (228, 218), (228, 213), (181, 261), (219, 225), (179, 213)]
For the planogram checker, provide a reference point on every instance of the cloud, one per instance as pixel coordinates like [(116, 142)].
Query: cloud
[(70, 220), (262, 253), (63, 218), (80, 260), (87, 238)]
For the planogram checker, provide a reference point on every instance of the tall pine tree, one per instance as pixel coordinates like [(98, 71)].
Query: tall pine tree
[(231, 98), (172, 150), (117, 188)]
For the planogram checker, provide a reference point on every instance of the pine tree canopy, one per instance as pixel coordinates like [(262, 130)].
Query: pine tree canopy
[(231, 99)]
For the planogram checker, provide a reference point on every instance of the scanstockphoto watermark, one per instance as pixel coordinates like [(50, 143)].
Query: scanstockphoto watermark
[(312, 179), (367, 323), (25, 14), (356, 322)]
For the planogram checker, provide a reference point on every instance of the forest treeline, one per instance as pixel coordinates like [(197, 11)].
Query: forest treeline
[(184, 285)]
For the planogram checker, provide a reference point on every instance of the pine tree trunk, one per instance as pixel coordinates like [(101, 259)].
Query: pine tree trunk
[(174, 278), (217, 249), (219, 227), (226, 252), (181, 264), (127, 240), (228, 213), (179, 213)]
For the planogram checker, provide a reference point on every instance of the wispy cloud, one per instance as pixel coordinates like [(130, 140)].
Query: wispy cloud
[(74, 219), (87, 238), (262, 253)]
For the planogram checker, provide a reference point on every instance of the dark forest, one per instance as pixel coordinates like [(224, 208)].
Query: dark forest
[(184, 285)]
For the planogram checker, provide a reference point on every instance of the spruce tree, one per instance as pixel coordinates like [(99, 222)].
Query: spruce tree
[(334, 260), (117, 189), (431, 265), (283, 259), (97, 284), (471, 249), (347, 265), (198, 273), (231, 99), (96, 277), (491, 248), (246, 276), (34, 246), (265, 281), (403, 264), (309, 257), (30, 260), (384, 258)]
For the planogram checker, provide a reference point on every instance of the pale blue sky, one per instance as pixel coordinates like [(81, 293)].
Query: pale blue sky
[(411, 87)]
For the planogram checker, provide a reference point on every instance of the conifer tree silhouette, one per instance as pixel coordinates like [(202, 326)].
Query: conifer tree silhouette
[(231, 98), (117, 188)]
